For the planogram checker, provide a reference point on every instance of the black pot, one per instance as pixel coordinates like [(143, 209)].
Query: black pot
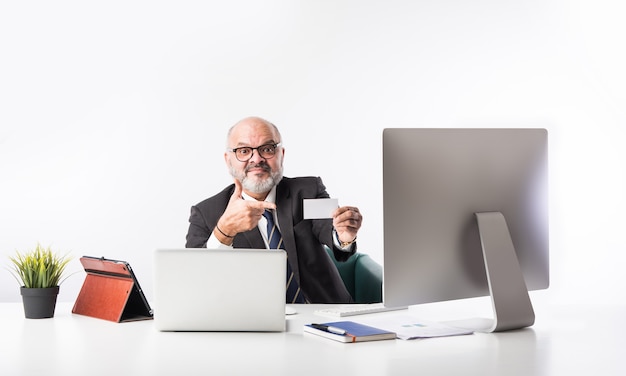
[(39, 303)]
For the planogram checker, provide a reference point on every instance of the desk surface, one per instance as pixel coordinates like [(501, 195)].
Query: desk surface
[(564, 341)]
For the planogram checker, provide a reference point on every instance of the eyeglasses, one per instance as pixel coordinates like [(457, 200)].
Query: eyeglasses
[(243, 154)]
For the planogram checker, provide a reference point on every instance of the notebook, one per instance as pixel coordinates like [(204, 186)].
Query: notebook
[(349, 332), (219, 290)]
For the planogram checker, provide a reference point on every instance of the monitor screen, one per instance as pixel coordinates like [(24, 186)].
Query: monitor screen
[(436, 182)]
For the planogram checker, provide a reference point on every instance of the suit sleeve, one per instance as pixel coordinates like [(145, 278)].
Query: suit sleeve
[(198, 232), (325, 229)]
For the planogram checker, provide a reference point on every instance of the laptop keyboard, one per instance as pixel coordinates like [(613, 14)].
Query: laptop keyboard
[(355, 309)]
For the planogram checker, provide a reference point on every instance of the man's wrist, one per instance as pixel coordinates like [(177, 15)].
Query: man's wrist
[(223, 233), (341, 244), (222, 236)]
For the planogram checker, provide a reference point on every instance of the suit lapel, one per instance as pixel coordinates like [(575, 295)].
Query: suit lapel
[(284, 208), (253, 238)]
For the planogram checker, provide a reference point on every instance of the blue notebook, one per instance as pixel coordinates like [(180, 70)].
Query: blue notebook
[(348, 331)]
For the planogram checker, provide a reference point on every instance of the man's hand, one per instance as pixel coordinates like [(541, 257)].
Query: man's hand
[(347, 222), (241, 215)]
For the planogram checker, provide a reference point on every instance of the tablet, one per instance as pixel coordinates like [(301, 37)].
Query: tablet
[(111, 292)]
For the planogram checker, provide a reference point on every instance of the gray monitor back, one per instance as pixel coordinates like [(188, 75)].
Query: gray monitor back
[(434, 181)]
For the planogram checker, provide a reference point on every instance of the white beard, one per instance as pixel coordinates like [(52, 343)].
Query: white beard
[(255, 186)]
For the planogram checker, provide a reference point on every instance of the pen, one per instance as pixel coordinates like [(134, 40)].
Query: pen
[(330, 329)]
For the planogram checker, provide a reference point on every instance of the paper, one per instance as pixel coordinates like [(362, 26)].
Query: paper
[(410, 327), (319, 208)]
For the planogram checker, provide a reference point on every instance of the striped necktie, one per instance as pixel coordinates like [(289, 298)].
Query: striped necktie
[(275, 241)]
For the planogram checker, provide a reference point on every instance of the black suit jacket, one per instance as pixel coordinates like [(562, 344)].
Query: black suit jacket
[(304, 240)]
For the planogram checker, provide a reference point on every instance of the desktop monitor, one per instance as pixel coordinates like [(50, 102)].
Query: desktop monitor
[(466, 215)]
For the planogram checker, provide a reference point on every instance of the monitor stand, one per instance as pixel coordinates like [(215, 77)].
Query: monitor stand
[(512, 308)]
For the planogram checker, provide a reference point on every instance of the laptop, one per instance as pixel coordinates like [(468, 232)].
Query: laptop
[(239, 290)]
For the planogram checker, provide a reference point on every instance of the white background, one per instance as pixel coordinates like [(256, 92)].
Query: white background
[(113, 114)]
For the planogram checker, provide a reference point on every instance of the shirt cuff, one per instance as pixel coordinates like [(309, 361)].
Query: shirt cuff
[(337, 243), (213, 243)]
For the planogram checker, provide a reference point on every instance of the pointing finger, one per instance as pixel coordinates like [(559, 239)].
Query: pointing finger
[(269, 205), (262, 205)]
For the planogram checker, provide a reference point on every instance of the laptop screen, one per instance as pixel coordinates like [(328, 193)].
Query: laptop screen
[(219, 290)]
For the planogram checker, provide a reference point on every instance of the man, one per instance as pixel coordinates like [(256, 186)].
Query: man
[(235, 216)]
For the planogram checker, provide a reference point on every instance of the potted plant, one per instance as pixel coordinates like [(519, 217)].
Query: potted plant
[(39, 272)]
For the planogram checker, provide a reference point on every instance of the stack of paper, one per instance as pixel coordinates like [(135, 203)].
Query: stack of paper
[(409, 327)]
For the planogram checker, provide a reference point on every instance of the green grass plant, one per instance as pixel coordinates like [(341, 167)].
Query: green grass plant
[(40, 268)]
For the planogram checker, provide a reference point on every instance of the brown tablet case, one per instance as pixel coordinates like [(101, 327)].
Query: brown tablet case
[(111, 292)]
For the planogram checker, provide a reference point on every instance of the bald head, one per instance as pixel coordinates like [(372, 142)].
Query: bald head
[(252, 124)]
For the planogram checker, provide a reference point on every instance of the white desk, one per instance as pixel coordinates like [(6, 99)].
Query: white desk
[(564, 341)]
